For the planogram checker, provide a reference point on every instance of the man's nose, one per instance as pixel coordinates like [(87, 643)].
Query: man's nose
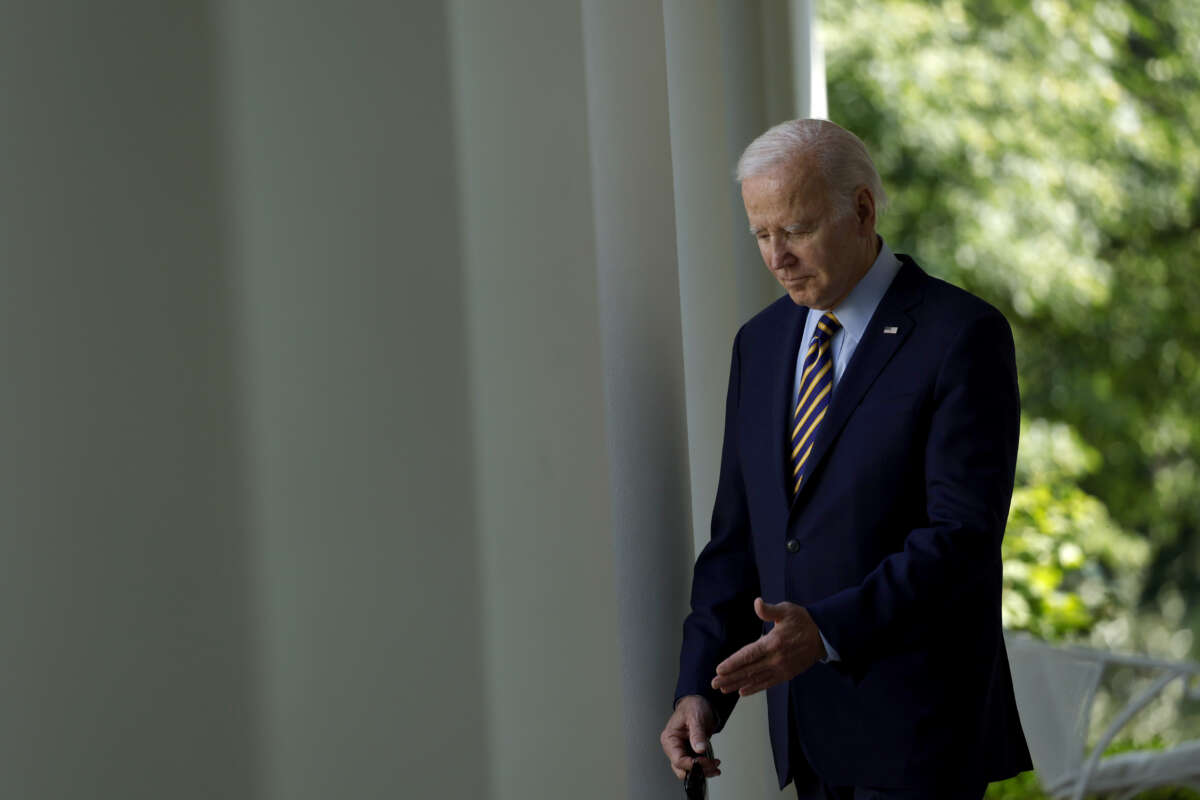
[(780, 255)]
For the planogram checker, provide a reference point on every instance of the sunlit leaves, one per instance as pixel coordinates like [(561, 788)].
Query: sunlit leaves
[(1043, 154), (1067, 564)]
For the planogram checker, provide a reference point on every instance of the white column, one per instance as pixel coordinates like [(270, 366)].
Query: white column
[(732, 74), (544, 498), (123, 586), (708, 287), (757, 94), (645, 412), (710, 294), (777, 70), (808, 61), (358, 427)]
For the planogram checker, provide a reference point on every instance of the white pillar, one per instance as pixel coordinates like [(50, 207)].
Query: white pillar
[(645, 412), (808, 61), (776, 63), (709, 294), (544, 500), (347, 451), (358, 424), (757, 94), (730, 72), (123, 587)]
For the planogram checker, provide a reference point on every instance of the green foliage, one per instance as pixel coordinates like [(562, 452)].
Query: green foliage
[(1026, 787), (1067, 564), (1021, 787), (1042, 153)]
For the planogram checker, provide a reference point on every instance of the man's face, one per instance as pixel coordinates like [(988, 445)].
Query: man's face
[(816, 253)]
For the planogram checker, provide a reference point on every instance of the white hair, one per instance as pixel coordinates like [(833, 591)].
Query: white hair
[(841, 157)]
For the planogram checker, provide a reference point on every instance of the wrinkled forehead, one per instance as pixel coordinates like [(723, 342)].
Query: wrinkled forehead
[(794, 188)]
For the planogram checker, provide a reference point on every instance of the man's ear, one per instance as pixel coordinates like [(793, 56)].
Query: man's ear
[(864, 208)]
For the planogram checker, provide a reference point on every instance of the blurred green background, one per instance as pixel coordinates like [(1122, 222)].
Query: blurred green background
[(1044, 156)]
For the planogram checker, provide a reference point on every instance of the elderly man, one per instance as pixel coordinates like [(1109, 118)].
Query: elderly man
[(853, 571)]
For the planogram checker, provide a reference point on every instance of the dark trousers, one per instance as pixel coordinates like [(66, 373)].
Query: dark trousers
[(819, 790), (809, 785)]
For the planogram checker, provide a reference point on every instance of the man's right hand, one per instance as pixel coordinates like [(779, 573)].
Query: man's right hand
[(688, 731)]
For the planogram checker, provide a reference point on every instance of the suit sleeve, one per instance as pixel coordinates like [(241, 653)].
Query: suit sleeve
[(969, 462), (725, 578)]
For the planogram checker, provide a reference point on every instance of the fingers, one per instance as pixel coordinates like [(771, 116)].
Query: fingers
[(686, 735), (746, 658), (749, 681), (681, 758), (683, 766), (788, 649), (773, 612), (674, 742), (752, 661), (758, 684), (733, 681), (761, 608), (710, 766), (699, 729)]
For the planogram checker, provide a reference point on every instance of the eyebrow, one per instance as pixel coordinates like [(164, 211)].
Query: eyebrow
[(795, 226)]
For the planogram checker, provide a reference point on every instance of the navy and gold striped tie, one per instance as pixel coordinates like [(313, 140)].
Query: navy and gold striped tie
[(816, 384)]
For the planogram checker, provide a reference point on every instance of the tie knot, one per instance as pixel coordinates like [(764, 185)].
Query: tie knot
[(827, 326)]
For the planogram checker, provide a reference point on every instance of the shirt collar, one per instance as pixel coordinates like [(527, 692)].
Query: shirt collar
[(859, 306)]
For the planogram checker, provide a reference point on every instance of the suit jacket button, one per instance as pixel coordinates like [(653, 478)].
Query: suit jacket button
[(792, 546)]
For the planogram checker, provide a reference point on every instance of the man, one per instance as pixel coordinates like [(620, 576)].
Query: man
[(853, 571)]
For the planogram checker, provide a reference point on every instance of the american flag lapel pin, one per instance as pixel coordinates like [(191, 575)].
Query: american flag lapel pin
[(891, 329)]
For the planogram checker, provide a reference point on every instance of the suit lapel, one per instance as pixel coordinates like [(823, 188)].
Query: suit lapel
[(782, 400), (872, 354)]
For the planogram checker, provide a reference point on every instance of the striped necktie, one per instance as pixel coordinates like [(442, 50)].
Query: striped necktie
[(816, 384)]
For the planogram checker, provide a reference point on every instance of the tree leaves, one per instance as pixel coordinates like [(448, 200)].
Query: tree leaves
[(1044, 156)]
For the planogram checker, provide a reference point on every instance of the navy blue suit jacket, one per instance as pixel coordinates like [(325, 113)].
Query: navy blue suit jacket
[(895, 542)]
